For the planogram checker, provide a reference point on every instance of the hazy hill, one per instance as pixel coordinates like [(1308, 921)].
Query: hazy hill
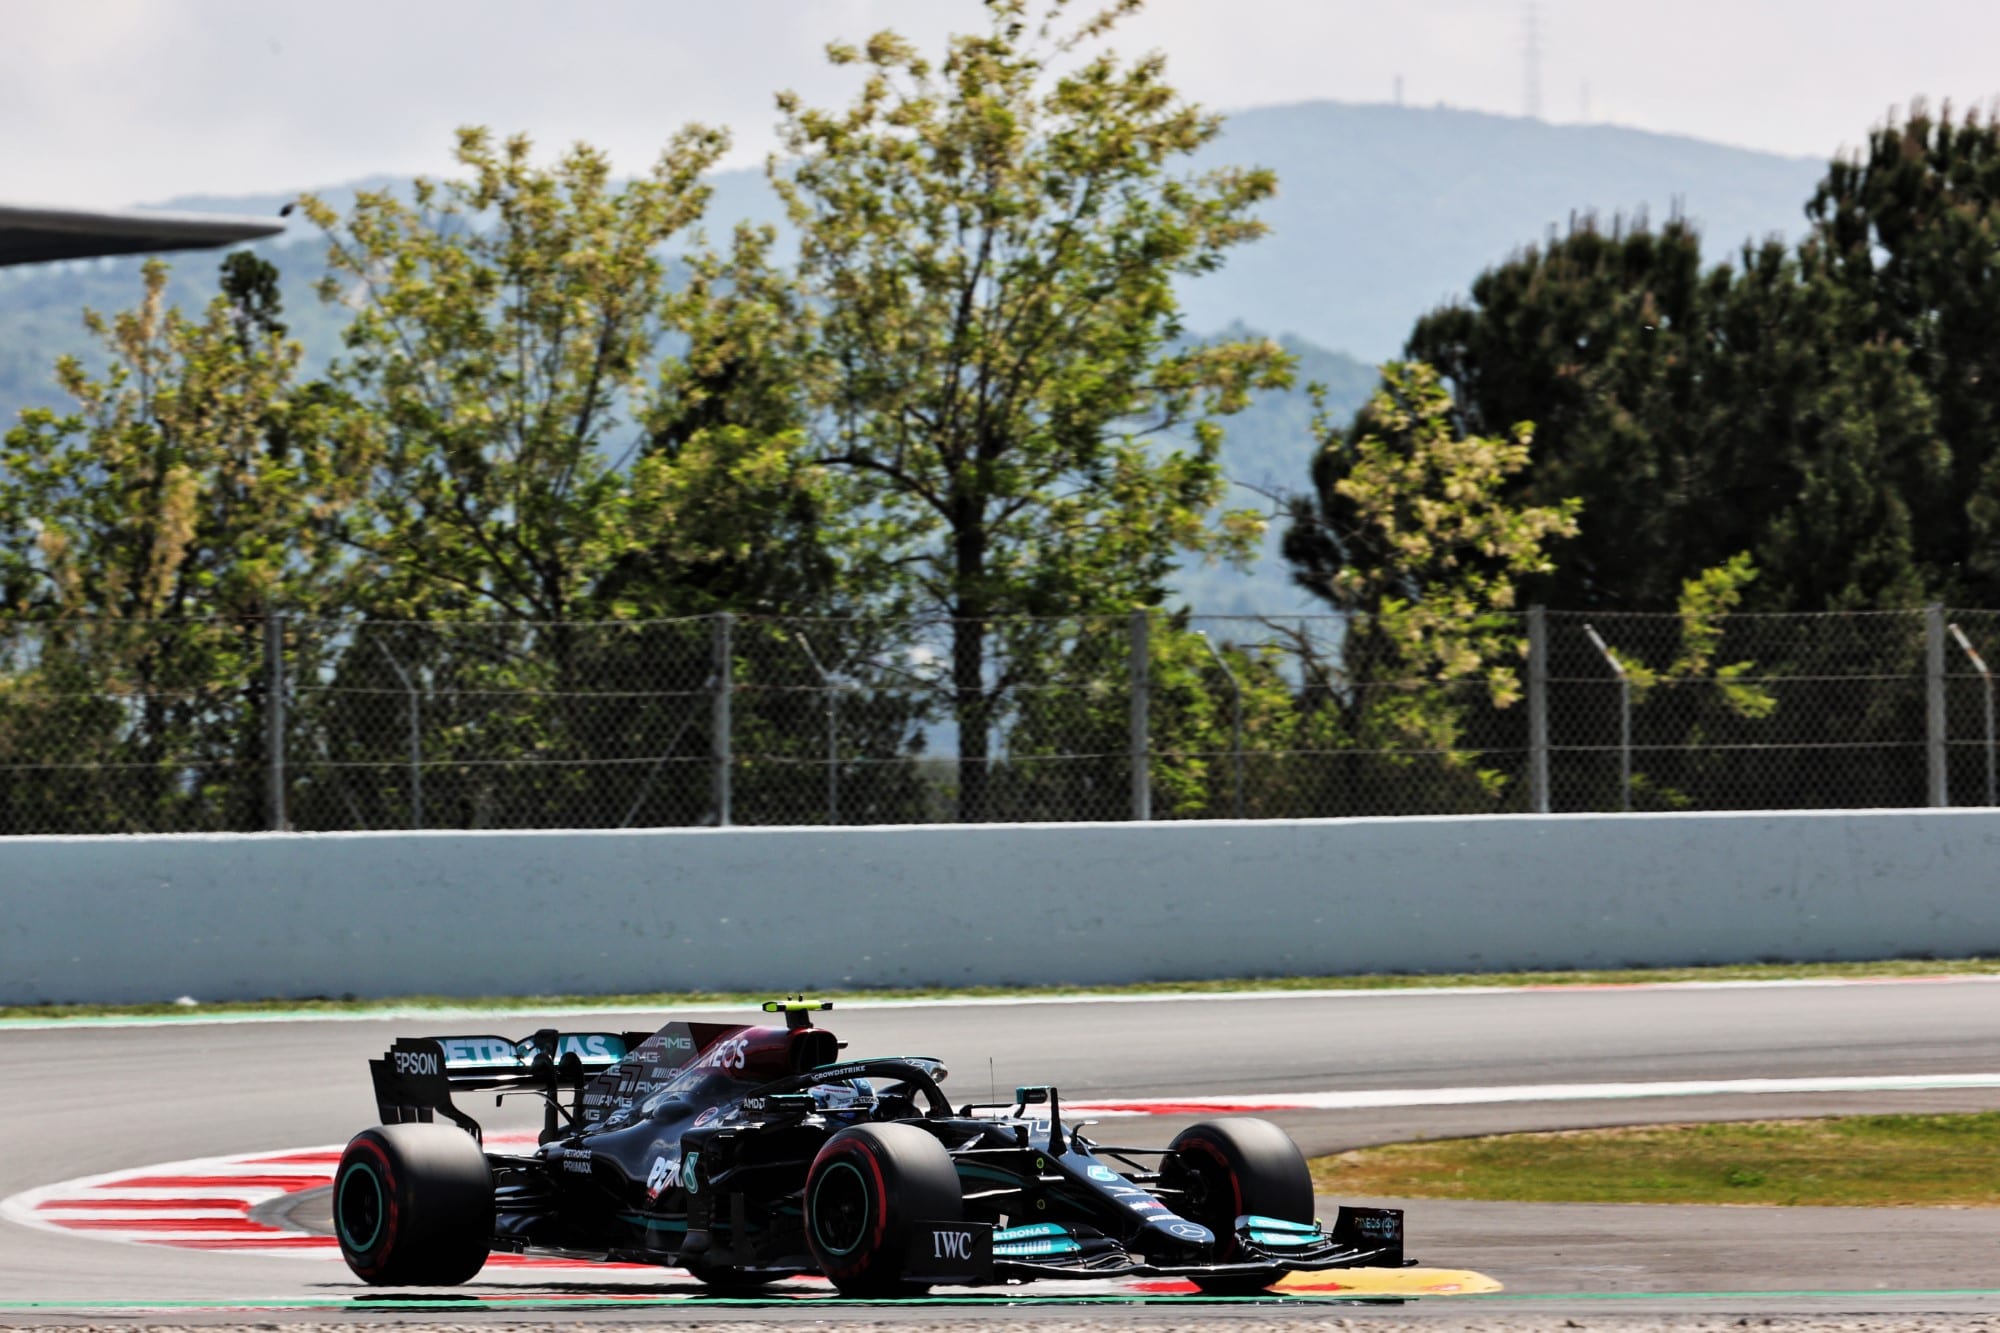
[(1382, 213), (1385, 211)]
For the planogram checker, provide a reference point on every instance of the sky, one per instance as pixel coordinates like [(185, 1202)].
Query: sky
[(108, 103)]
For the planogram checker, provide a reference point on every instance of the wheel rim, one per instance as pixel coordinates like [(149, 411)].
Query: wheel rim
[(840, 1209), (1198, 1192), (360, 1208), (1206, 1197)]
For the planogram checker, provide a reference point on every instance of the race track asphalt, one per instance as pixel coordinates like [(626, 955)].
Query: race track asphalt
[(87, 1100)]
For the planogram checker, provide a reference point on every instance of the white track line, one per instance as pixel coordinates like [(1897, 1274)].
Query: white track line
[(1374, 1099)]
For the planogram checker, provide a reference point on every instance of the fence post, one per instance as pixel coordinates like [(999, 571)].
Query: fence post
[(1538, 710), (832, 731), (719, 726), (274, 719), (416, 721), (1142, 777), (1935, 713), (1986, 680), (1624, 717)]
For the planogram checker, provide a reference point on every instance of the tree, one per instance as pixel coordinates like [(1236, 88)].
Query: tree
[(1906, 229), (1696, 415), (180, 490), (1755, 417), (503, 360), (754, 529), (1825, 439), (1587, 337), (1410, 534), (546, 427), (990, 244)]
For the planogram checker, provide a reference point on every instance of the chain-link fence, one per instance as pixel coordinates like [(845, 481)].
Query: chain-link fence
[(1767, 712), (185, 726)]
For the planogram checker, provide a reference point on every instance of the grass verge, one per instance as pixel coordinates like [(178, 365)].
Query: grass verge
[(1869, 1160), (1885, 969)]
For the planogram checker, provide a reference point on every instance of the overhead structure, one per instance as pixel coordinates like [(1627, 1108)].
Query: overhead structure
[(42, 235)]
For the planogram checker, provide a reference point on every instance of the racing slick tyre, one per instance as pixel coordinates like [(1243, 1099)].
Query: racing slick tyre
[(867, 1188), (1227, 1168), (413, 1205)]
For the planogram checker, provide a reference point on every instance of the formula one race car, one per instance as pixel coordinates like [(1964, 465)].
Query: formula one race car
[(749, 1154)]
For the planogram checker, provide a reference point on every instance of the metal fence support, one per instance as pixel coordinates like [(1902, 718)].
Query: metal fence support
[(1935, 728), (416, 736), (1538, 710), (1235, 725), (1142, 776), (1986, 679), (719, 725), (832, 732), (274, 719), (1624, 719)]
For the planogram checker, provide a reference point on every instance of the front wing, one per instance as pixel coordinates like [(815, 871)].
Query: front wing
[(971, 1253)]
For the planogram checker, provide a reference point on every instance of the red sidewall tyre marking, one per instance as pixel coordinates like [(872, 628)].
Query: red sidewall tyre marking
[(385, 1235), (1225, 1235), (864, 1255)]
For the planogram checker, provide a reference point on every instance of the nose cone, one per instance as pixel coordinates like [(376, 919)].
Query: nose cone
[(1178, 1232)]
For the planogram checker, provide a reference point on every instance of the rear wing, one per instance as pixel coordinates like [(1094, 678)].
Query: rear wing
[(416, 1077)]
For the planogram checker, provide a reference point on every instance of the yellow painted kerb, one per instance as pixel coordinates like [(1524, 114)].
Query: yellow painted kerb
[(1388, 1282)]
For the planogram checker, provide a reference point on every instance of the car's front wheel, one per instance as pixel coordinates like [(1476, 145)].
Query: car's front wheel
[(868, 1188), (413, 1205), (1229, 1168)]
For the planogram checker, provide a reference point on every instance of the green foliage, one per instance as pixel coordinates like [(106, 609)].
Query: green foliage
[(507, 442), (41, 313), (1696, 415), (1408, 527), (1823, 410), (523, 447), (1409, 532), (972, 401), (1708, 698), (178, 489), (1705, 600), (990, 243), (1905, 229)]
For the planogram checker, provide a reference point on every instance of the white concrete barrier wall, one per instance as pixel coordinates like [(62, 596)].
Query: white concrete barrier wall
[(467, 914)]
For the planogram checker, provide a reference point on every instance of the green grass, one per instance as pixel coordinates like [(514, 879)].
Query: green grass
[(1870, 1160), (1898, 967)]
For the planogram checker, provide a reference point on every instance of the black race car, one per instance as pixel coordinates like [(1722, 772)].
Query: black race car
[(749, 1154)]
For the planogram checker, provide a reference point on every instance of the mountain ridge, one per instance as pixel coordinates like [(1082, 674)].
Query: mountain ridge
[(1327, 276)]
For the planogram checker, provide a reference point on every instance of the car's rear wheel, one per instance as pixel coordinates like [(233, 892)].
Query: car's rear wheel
[(868, 1187), (1227, 1168), (413, 1205)]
